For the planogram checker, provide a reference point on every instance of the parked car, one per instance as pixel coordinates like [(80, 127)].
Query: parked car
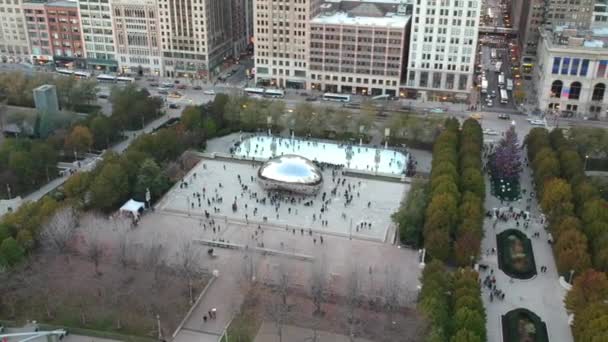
[(197, 87), (504, 116), (181, 86), (154, 84), (311, 98), (163, 92), (173, 105), (103, 96)]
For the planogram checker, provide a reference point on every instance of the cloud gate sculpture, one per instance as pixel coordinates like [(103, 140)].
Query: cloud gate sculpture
[(291, 173)]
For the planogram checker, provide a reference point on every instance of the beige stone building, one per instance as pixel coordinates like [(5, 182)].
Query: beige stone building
[(196, 36), (14, 45), (281, 32), (572, 73), (136, 28)]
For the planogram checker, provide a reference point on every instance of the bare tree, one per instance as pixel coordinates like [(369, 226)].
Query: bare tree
[(189, 264), (58, 233), (153, 260), (125, 253), (391, 291), (282, 282), (95, 251), (318, 285), (353, 299), (278, 311)]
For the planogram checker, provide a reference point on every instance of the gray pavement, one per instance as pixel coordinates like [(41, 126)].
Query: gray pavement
[(541, 294), (268, 333)]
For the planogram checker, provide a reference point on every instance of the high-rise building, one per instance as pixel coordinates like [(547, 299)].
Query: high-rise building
[(600, 14), (96, 19), (242, 25), (527, 18), (359, 47), (572, 73), (136, 29), (14, 45), (54, 32), (443, 44), (38, 32), (573, 13), (45, 98), (196, 36), (281, 31)]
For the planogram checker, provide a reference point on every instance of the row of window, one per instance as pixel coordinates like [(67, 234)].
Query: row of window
[(570, 66), (350, 79), (574, 91)]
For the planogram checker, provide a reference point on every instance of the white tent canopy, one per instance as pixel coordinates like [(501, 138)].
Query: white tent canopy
[(134, 207)]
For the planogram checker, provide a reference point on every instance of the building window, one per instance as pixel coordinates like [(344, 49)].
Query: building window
[(575, 91), (424, 79), (584, 67), (598, 92), (565, 66), (556, 89), (574, 67), (601, 69), (556, 61)]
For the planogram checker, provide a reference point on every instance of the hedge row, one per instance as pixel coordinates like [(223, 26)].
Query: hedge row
[(454, 215), (452, 304)]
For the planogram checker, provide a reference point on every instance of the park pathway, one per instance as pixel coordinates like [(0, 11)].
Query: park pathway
[(541, 294)]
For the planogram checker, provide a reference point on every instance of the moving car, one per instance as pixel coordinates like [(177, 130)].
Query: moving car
[(173, 105), (504, 116), (181, 86), (311, 98), (209, 92), (537, 122), (197, 87)]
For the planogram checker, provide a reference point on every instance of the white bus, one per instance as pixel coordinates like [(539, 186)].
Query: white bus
[(484, 86), (509, 84), (501, 80), (82, 74), (254, 91), (504, 97), (66, 72), (493, 53), (103, 78), (384, 97), (122, 79), (336, 97), (274, 93)]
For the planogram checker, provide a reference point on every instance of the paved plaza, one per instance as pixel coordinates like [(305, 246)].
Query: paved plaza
[(228, 190), (541, 294)]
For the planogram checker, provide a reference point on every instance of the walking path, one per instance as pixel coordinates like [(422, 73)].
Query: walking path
[(541, 294)]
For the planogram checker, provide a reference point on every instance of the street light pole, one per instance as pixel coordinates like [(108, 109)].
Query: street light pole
[(571, 274), (586, 158)]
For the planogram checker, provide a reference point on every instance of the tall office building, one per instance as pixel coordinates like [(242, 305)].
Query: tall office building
[(13, 33), (359, 47), (38, 32), (96, 23), (600, 14), (573, 13), (136, 29), (242, 25), (196, 36), (281, 29), (442, 46)]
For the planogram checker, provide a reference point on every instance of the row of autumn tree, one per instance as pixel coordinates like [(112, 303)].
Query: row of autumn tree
[(452, 304), (453, 222), (146, 164), (577, 215), (578, 221)]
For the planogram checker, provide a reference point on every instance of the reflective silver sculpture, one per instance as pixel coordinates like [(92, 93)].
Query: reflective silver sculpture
[(292, 173)]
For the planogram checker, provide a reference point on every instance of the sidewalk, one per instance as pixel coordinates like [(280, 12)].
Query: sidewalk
[(541, 294), (225, 295)]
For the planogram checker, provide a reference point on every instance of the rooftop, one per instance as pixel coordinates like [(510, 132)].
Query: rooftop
[(380, 13), (568, 38), (62, 4)]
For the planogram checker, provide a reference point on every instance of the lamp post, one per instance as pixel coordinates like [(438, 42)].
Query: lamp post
[(571, 274), (586, 158)]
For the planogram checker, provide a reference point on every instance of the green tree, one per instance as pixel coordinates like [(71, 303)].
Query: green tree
[(590, 323), (465, 335), (102, 131), (150, 177), (110, 187), (437, 243), (10, 251), (77, 187), (341, 120), (191, 118)]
